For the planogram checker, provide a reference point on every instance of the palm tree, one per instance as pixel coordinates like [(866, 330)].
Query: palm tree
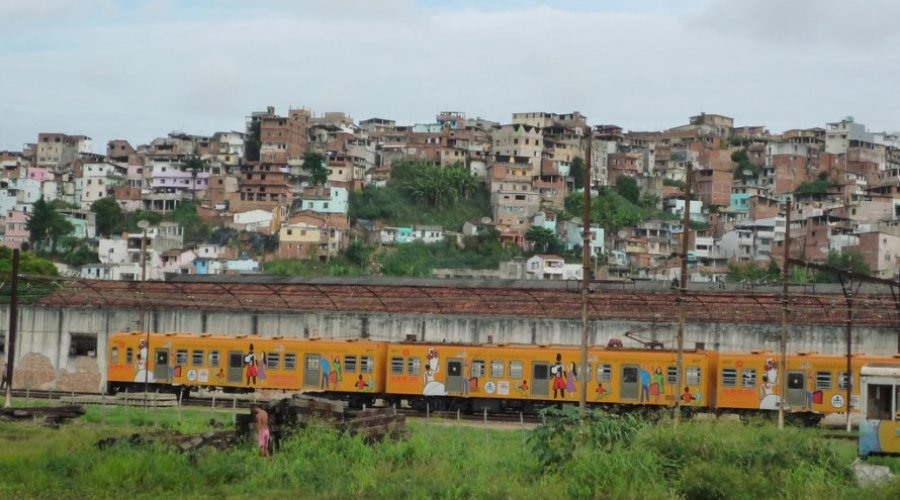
[(194, 165)]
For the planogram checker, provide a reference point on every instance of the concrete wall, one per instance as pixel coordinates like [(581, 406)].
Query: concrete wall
[(44, 361)]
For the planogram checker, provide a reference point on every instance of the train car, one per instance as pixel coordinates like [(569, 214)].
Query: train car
[(527, 378), (750, 382), (350, 370), (879, 430)]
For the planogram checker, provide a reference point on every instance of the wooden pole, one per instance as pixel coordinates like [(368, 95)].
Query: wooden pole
[(682, 298), (585, 274)]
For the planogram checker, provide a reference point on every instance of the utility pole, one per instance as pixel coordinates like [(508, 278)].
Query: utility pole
[(585, 274), (786, 275), (13, 326), (146, 331), (682, 298)]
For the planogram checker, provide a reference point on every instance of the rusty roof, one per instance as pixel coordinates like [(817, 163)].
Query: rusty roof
[(476, 298)]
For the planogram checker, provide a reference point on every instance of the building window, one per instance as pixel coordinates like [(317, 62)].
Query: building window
[(83, 344)]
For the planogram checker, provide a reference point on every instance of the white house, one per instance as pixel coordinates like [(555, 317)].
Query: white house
[(545, 267), (253, 220)]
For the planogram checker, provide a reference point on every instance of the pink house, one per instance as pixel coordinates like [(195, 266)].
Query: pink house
[(39, 174), (16, 231)]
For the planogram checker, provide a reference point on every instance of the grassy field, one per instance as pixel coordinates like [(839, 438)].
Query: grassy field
[(613, 457)]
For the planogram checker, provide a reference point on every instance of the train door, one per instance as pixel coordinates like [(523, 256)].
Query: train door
[(235, 367), (454, 375), (631, 385), (312, 368), (161, 365), (796, 389), (540, 378)]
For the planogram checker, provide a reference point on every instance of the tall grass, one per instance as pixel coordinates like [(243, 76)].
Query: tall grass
[(614, 458)]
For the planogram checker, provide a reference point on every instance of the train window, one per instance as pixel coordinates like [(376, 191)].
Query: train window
[(842, 381), (478, 368), (312, 363), (693, 375), (672, 375), (414, 366), (365, 363), (214, 359), (604, 373), (350, 363), (795, 381), (396, 366), (114, 355), (290, 361), (823, 381), (515, 370), (729, 377), (497, 368), (181, 357), (197, 358), (748, 377), (271, 360), (129, 355), (580, 372)]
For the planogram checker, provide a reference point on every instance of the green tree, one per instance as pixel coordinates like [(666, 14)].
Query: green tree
[(628, 188), (545, 241), (316, 165), (195, 230), (744, 170), (576, 170), (847, 261), (47, 226), (108, 215)]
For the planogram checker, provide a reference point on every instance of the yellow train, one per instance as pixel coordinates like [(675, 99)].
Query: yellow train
[(493, 377)]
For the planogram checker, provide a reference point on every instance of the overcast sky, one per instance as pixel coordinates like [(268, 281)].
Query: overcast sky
[(139, 69)]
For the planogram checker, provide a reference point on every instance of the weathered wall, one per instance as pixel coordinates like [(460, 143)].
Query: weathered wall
[(44, 361)]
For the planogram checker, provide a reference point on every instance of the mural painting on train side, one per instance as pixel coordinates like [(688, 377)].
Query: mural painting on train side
[(141, 373), (432, 387), (769, 399), (332, 372)]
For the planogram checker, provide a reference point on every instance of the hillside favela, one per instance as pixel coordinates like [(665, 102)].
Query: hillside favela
[(322, 194)]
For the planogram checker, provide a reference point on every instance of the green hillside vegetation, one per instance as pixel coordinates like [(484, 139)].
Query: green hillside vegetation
[(821, 185), (424, 194), (614, 211)]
